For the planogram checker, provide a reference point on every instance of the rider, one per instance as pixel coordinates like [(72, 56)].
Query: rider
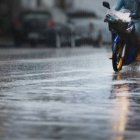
[(134, 7), (131, 5)]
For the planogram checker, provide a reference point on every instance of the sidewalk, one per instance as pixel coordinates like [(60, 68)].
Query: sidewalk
[(6, 42)]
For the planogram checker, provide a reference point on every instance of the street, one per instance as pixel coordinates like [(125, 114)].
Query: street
[(67, 94)]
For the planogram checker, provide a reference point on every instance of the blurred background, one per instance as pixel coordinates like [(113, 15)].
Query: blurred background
[(62, 91), (53, 22)]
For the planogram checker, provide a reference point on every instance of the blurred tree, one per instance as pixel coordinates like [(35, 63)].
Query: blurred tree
[(39, 3), (64, 4), (61, 4)]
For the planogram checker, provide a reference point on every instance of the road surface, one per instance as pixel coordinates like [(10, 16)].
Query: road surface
[(67, 94)]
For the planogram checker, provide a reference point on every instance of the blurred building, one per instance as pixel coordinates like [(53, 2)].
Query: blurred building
[(63, 4), (92, 5), (31, 3), (8, 10)]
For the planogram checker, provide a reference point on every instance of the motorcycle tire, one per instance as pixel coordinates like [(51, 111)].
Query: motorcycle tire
[(117, 59)]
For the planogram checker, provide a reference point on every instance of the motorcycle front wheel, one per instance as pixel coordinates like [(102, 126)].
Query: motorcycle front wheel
[(117, 57)]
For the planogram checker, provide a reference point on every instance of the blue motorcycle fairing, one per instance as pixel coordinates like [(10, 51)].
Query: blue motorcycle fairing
[(116, 40), (131, 50), (131, 53)]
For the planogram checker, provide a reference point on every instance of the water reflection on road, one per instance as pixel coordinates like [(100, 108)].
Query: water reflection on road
[(67, 94), (126, 91)]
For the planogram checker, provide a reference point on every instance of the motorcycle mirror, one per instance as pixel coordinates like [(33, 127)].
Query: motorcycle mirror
[(133, 15), (106, 4)]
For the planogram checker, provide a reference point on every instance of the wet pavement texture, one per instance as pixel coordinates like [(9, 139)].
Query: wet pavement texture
[(67, 94)]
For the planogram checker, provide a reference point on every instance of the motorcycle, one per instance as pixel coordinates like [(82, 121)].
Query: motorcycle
[(122, 28)]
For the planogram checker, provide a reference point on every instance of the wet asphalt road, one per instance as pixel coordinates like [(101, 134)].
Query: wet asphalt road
[(67, 94)]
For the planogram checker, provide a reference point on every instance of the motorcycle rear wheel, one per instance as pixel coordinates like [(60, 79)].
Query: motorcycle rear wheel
[(117, 58)]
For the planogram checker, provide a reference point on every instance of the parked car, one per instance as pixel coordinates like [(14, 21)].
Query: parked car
[(48, 26), (89, 27)]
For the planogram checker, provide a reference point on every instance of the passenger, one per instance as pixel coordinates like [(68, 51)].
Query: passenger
[(126, 4)]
